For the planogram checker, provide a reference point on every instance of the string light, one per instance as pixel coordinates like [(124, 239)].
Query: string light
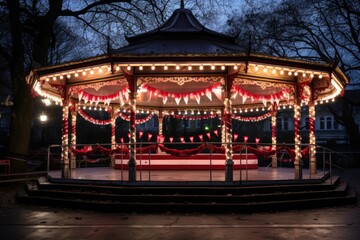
[(222, 67), (128, 67), (83, 73), (201, 67), (212, 67), (165, 67), (190, 68), (235, 67), (100, 70), (76, 74), (281, 72), (153, 67), (177, 67), (141, 68)]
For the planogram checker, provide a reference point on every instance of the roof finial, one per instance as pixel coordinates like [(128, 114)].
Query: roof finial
[(182, 4)]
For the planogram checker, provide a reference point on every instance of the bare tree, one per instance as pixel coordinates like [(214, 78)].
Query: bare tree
[(318, 30)]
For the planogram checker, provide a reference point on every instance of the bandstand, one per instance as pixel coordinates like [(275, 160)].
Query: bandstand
[(184, 70)]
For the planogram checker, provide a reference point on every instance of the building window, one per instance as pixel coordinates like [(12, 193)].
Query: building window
[(322, 123), (328, 123), (282, 124)]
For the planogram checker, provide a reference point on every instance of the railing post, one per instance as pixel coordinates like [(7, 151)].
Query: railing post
[(330, 170)]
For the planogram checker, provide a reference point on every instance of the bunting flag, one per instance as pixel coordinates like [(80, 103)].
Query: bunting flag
[(182, 139), (186, 99), (171, 139), (192, 139), (149, 136), (122, 140), (129, 135), (185, 95), (236, 136), (208, 135), (216, 133), (217, 92), (201, 137), (140, 134)]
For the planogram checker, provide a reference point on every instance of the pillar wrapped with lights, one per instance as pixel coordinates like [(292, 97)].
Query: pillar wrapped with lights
[(113, 141), (132, 141), (65, 173), (312, 155), (73, 136), (297, 160), (228, 130), (273, 135)]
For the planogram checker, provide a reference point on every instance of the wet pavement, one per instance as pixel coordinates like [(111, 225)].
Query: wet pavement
[(34, 222)]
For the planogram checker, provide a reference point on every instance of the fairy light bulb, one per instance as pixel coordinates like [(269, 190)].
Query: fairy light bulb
[(68, 76), (177, 67), (128, 68), (165, 67), (222, 67), (100, 70), (83, 73), (256, 68), (141, 68), (201, 67), (76, 74), (212, 67), (153, 67), (281, 72), (296, 73), (273, 71), (190, 68), (235, 67)]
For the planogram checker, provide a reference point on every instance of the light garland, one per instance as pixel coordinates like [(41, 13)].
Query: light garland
[(93, 120), (191, 118), (65, 138), (138, 121), (251, 119)]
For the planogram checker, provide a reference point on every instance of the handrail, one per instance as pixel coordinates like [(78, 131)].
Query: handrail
[(326, 152)]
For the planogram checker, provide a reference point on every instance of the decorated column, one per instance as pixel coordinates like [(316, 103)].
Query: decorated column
[(297, 161), (113, 141), (312, 150), (73, 136), (132, 141), (228, 130), (273, 135), (65, 173)]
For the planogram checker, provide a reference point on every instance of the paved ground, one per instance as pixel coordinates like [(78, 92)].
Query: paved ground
[(34, 222)]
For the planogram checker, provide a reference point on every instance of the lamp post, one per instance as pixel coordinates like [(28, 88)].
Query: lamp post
[(246, 156), (43, 119)]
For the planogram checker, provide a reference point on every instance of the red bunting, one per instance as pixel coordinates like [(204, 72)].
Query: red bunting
[(208, 135), (192, 139), (149, 136), (171, 139), (201, 137), (236, 136), (141, 134), (216, 133), (182, 139)]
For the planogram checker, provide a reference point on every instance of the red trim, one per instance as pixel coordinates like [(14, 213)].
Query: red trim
[(185, 167)]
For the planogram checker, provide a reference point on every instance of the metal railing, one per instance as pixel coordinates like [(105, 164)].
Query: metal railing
[(145, 167)]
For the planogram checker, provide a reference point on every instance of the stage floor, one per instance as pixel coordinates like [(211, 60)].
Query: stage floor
[(260, 174)]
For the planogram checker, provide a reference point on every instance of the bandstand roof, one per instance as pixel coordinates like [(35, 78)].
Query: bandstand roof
[(184, 65)]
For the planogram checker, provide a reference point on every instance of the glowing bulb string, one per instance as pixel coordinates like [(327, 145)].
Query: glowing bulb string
[(88, 118), (251, 119)]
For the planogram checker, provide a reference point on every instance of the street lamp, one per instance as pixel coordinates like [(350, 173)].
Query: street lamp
[(43, 118)]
